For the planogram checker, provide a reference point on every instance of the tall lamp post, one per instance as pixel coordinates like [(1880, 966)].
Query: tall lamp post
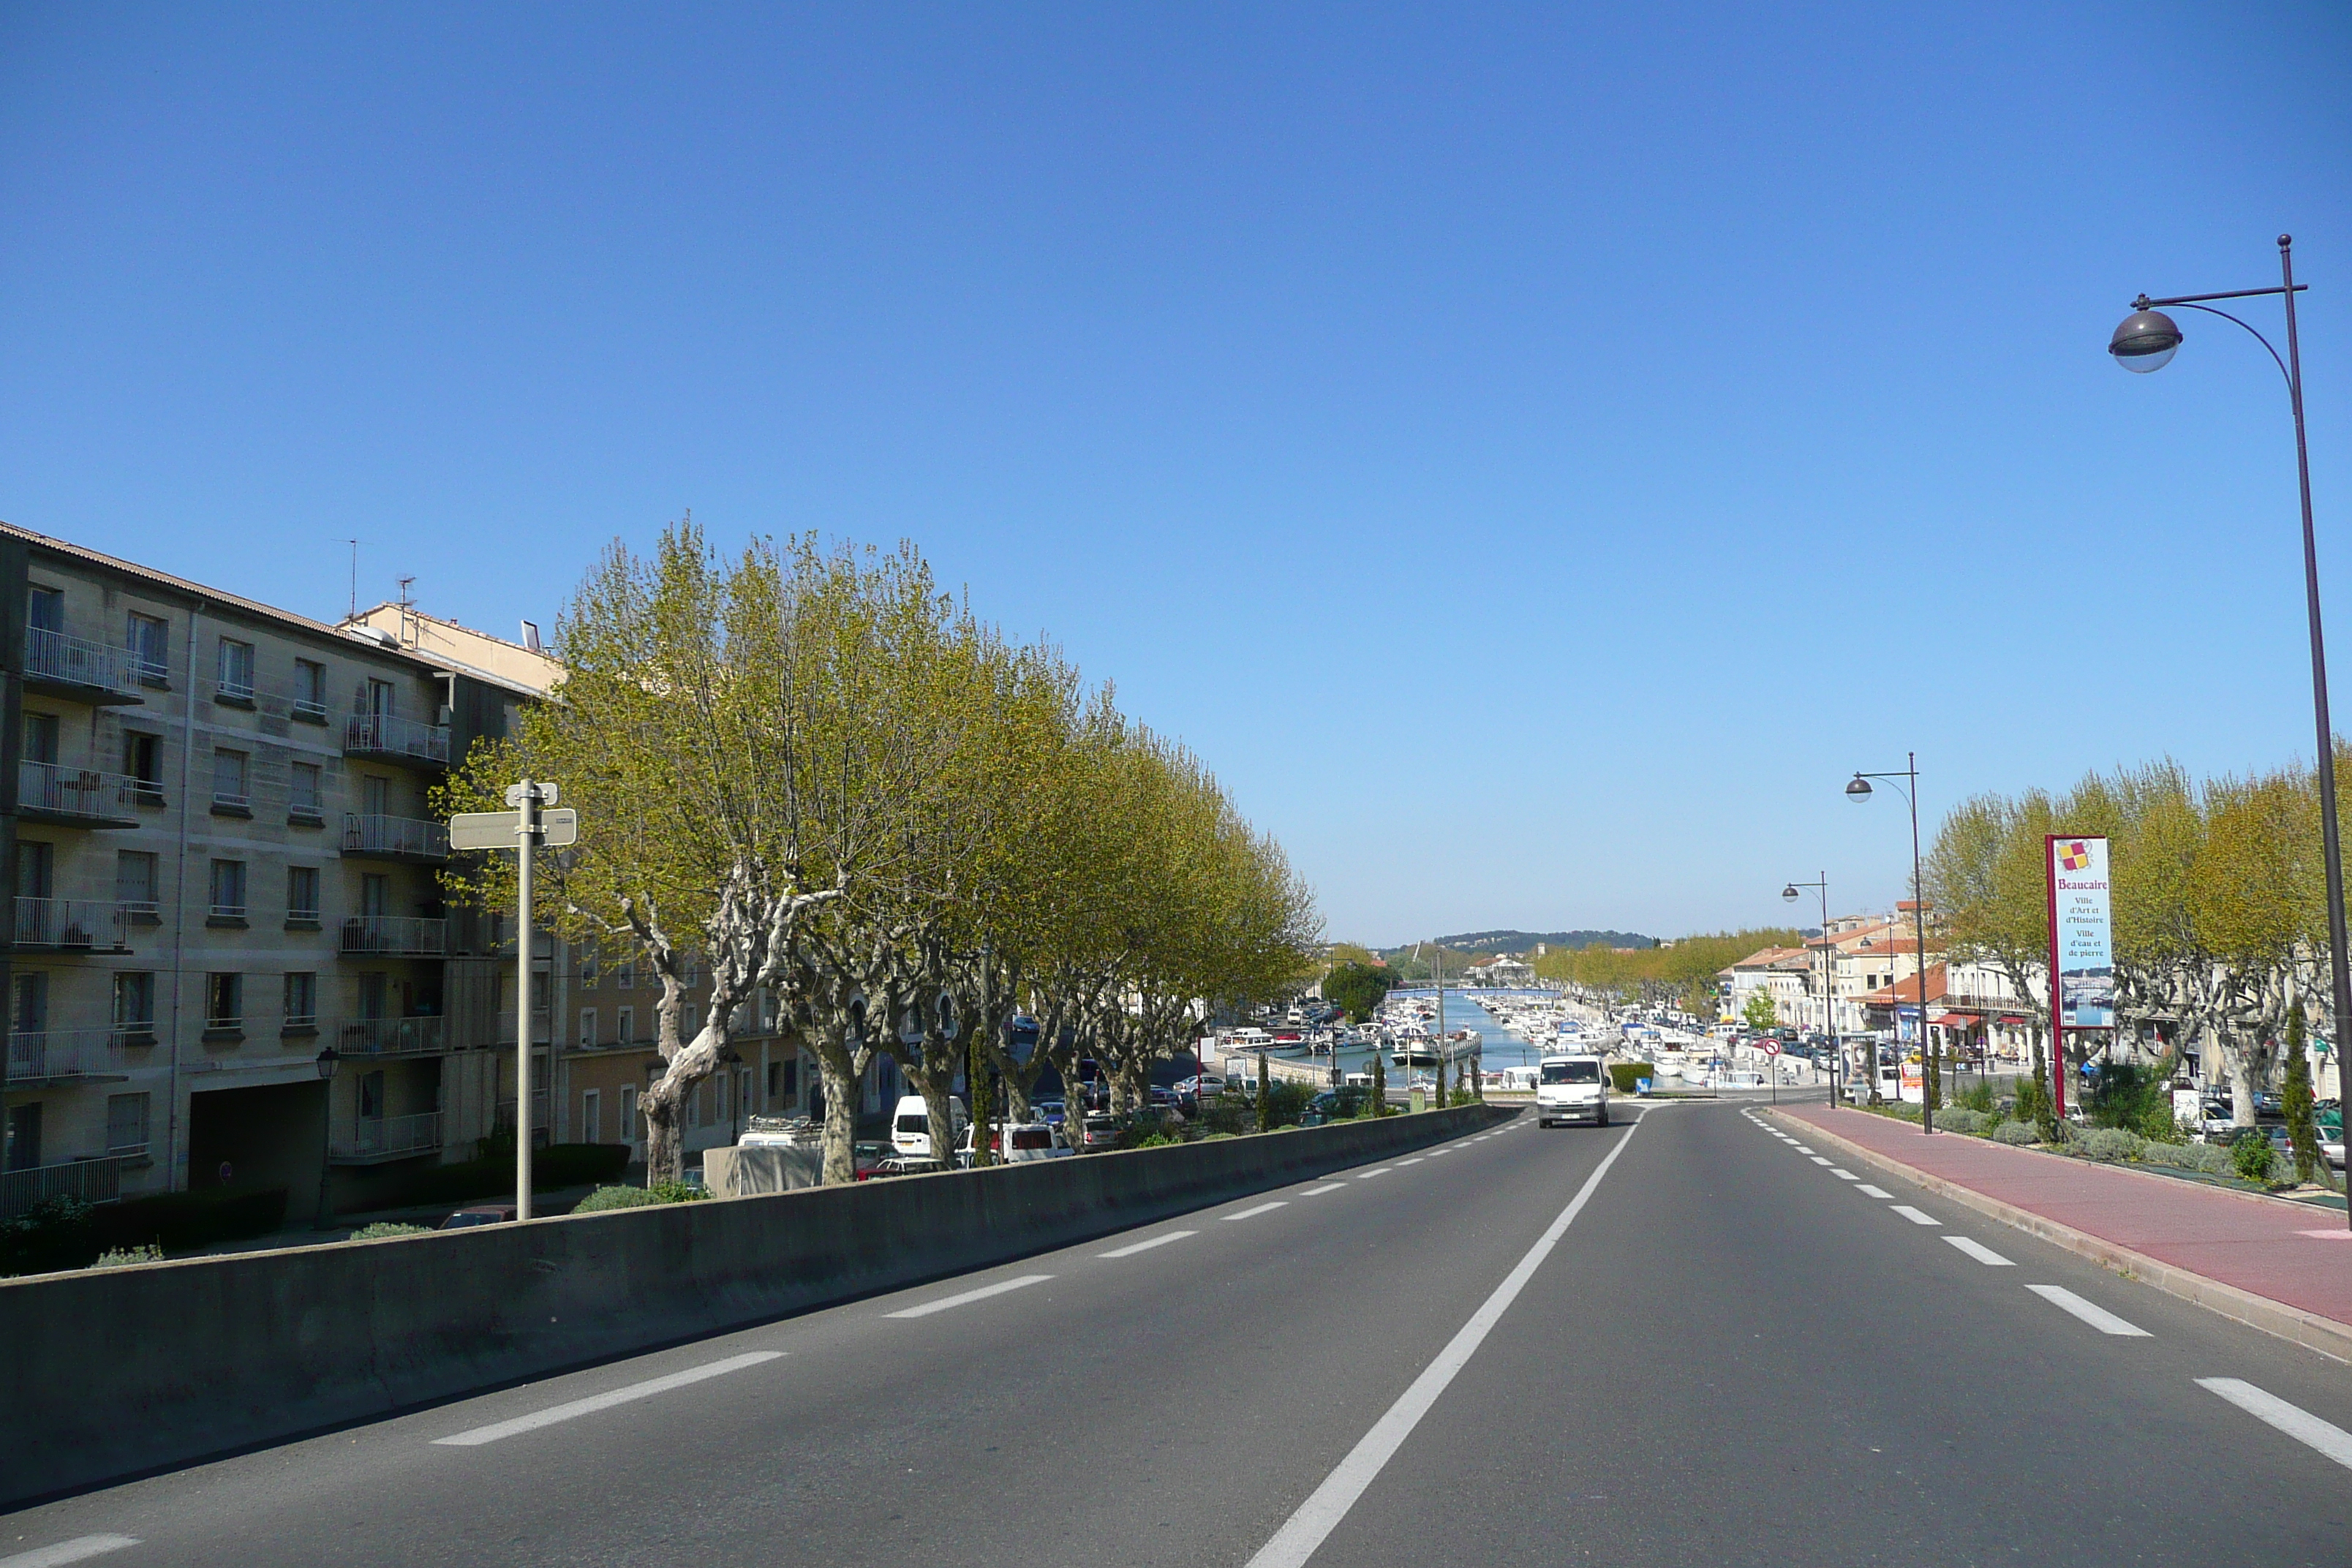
[(2146, 341), (1859, 790), (1829, 973), (328, 1058)]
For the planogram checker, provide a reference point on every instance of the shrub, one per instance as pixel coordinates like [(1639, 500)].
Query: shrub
[(1960, 1118), (2210, 1158), (491, 1175), (1155, 1141), (2156, 1123), (1622, 1076), (384, 1227), (2018, 1134), (604, 1198), (2110, 1144), (54, 1234), (1976, 1097), (2252, 1156), (185, 1222), (123, 1257)]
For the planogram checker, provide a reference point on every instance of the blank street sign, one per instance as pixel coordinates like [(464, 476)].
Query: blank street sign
[(497, 830)]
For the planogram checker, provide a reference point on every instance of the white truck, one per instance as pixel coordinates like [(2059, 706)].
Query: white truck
[(1572, 1089)]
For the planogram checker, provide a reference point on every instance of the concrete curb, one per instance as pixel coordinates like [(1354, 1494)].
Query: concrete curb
[(2309, 1330)]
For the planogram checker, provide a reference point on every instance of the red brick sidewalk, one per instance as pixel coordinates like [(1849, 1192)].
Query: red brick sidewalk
[(2262, 1246)]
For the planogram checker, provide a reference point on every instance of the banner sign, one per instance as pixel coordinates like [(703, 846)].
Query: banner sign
[(2081, 948)]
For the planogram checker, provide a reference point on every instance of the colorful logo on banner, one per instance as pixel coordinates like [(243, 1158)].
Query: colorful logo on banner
[(2079, 905)]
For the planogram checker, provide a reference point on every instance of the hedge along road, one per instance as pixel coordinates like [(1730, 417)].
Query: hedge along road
[(1718, 1360)]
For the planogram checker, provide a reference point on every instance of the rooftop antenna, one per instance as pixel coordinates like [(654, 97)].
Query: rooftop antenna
[(407, 599), (355, 578)]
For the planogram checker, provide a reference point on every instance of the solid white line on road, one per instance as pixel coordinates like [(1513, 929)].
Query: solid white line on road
[(1279, 1204), (1368, 1175), (1842, 1174), (2298, 1424), (982, 1294), (2098, 1316), (73, 1551), (1915, 1216), (1305, 1531), (1818, 1160), (1132, 1247), (1880, 1192), (1326, 1188), (2326, 1235), (1980, 1251), (477, 1436), (1416, 1159)]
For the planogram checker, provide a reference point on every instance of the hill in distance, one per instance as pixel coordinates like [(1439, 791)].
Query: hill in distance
[(1491, 941)]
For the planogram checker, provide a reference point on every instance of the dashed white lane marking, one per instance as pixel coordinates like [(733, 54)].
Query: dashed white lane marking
[(1262, 1208), (2091, 1312), (1980, 1251), (1879, 1193), (1802, 1150), (968, 1297), (1433, 1153), (1132, 1247), (1305, 1531), (1915, 1216), (1818, 1160), (1844, 1174), (1326, 1188), (477, 1436), (1416, 1159), (2297, 1422), (1368, 1175), (74, 1551)]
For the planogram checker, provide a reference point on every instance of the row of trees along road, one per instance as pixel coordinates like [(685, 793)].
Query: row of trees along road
[(810, 771), (2218, 903), (1682, 971)]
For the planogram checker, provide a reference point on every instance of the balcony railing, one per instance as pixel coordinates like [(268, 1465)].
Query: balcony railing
[(381, 735), (69, 924), (400, 837), (392, 1037), (80, 794), (386, 1137), (91, 1181), (51, 1055), (395, 936), (55, 659)]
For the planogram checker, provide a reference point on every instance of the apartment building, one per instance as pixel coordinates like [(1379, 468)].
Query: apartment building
[(230, 961)]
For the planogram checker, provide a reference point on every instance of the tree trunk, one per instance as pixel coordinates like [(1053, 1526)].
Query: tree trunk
[(663, 1157)]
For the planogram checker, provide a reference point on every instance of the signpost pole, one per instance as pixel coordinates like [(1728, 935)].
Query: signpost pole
[(2057, 1016), (525, 835)]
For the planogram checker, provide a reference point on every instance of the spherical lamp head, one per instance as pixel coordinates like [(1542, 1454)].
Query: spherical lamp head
[(326, 1060), (1859, 790), (2146, 341), (1790, 892)]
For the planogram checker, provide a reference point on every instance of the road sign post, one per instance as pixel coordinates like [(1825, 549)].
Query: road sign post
[(521, 830)]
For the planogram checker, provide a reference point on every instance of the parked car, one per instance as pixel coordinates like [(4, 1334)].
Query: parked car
[(869, 1160), (1333, 1105), (1018, 1144), (1199, 1083), (910, 1126), (480, 1214), (1099, 1130), (1052, 1112)]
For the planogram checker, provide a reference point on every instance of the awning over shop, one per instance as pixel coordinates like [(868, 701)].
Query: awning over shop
[(1957, 1020), (2012, 1021)]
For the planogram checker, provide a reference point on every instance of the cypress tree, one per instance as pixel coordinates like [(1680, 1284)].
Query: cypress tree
[(2301, 1125), (1265, 1099), (1380, 1085)]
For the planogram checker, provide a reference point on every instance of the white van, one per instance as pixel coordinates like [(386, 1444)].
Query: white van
[(910, 1126), (1572, 1089)]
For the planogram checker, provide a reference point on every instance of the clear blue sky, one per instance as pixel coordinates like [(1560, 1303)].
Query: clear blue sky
[(1714, 395)]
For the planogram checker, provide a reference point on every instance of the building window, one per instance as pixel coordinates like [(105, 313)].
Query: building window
[(372, 1097), (135, 875), (229, 890), (46, 610), (302, 1000), (309, 689), (223, 1001), (232, 785), (624, 975), (587, 967), (148, 640), (302, 791), (302, 893), (235, 675), (41, 738), (134, 1001), (142, 762), (627, 1032), (783, 1082), (591, 1117), (126, 1124), (587, 1026), (628, 1128)]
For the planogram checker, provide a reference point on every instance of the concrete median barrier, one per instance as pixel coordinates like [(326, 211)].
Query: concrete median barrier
[(112, 1372)]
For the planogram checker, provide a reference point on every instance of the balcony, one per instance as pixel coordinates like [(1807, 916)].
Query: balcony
[(91, 1181), (392, 1037), (395, 838), (67, 1056), (75, 668), (395, 740), (77, 797), (372, 1140), (71, 925), (392, 936)]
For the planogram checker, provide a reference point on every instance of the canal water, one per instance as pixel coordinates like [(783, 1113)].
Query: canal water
[(1498, 1047)]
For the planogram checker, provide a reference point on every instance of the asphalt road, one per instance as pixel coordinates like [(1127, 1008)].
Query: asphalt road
[(1687, 1341)]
